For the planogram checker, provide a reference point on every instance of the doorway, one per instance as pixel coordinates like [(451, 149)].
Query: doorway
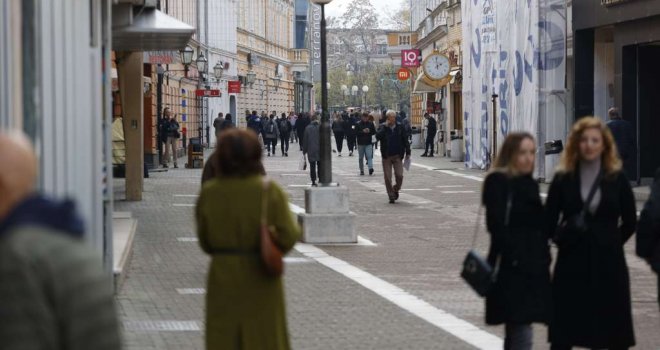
[(232, 109)]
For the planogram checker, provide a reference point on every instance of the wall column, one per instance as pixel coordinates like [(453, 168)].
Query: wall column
[(130, 71)]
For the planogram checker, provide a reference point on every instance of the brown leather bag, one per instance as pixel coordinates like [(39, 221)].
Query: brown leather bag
[(271, 255)]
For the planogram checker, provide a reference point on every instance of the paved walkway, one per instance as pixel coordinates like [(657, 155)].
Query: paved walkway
[(419, 245)]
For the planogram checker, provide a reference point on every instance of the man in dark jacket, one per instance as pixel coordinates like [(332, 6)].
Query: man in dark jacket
[(173, 135), (284, 127), (648, 230), (312, 147), (301, 124), (217, 123), (54, 292), (271, 133), (431, 130), (365, 130), (394, 146), (349, 131), (624, 136)]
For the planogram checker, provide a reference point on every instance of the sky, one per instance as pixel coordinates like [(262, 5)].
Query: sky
[(337, 7)]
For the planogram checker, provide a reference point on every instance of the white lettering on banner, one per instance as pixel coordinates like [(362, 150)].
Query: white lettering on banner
[(316, 35)]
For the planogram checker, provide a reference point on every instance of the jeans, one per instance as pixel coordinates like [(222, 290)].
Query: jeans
[(284, 139), (271, 144), (171, 143), (368, 151), (396, 163), (518, 336), (339, 140), (430, 142), (314, 171)]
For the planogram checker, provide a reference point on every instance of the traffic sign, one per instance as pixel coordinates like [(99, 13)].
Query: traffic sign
[(403, 74), (207, 93)]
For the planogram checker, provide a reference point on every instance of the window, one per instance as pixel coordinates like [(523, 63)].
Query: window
[(404, 40), (381, 49)]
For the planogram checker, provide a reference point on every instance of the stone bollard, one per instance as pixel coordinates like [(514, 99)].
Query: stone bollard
[(327, 217)]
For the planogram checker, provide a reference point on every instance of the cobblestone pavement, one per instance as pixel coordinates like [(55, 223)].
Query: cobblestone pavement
[(420, 243)]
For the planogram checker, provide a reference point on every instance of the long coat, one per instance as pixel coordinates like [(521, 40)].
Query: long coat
[(244, 307), (312, 142), (591, 286), (522, 292)]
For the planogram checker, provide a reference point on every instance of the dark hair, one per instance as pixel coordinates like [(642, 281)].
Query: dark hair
[(510, 148), (219, 114), (283, 115), (238, 154), (228, 116), (254, 112)]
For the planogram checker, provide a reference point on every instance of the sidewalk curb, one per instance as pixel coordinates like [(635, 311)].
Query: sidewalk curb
[(124, 230)]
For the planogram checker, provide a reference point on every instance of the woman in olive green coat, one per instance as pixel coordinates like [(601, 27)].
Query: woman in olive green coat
[(244, 306)]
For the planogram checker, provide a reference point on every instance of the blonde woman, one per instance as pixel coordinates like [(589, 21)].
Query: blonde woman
[(591, 214), (519, 246)]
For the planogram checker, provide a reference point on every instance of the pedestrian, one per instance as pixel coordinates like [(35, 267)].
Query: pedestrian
[(349, 132), (365, 130), (431, 130), (372, 120), (338, 131), (301, 125), (648, 230), (312, 147), (173, 135), (54, 291), (519, 248), (285, 134), (591, 286), (624, 136), (292, 119), (394, 146), (271, 133), (245, 306), (217, 122), (227, 123)]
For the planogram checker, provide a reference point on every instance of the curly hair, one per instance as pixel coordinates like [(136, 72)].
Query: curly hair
[(571, 155)]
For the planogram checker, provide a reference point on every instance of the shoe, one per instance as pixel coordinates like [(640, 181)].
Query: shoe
[(286, 154), (361, 173), (391, 200), (165, 166), (431, 155), (175, 166), (396, 195), (334, 151), (269, 154), (314, 184), (350, 154), (424, 155), (371, 171), (339, 155)]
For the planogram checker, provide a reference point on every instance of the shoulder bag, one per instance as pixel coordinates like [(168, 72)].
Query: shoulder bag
[(477, 272), (578, 223), (271, 255)]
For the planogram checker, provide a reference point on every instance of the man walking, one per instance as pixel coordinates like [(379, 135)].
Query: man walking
[(172, 139), (349, 132), (285, 134), (54, 292), (394, 146), (271, 133), (624, 137), (431, 130), (311, 143), (365, 130), (292, 120), (338, 131), (301, 126), (217, 123)]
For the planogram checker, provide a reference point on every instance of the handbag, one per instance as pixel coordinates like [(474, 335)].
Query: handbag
[(477, 272), (578, 222), (271, 255)]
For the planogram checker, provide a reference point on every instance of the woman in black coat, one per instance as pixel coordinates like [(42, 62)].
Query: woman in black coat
[(519, 246), (591, 287)]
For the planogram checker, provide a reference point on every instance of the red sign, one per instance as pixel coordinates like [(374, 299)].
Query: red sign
[(207, 93), (403, 74), (410, 58), (234, 86)]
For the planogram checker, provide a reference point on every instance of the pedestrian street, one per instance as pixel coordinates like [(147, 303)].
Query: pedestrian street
[(397, 288)]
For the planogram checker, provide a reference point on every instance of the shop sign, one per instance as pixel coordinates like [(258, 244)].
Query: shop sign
[(410, 58), (207, 93), (234, 87), (403, 74), (160, 57)]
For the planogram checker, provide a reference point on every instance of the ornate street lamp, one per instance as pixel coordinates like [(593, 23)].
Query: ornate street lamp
[(276, 82), (365, 89), (251, 78), (325, 165), (218, 69), (186, 58), (201, 63)]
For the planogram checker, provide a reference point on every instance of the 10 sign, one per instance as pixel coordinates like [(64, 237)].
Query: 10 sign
[(410, 58)]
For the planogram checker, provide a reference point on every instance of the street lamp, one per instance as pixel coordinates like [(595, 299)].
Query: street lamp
[(325, 165), (251, 78), (218, 69), (365, 89), (201, 63), (354, 92), (186, 58), (276, 82)]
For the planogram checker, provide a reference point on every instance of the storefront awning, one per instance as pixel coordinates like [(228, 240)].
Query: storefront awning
[(422, 87), (148, 29)]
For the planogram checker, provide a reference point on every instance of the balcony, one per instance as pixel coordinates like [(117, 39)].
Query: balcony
[(299, 56)]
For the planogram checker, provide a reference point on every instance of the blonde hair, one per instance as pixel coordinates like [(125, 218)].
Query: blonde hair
[(505, 161), (571, 155)]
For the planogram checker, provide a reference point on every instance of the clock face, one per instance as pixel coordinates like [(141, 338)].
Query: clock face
[(436, 67)]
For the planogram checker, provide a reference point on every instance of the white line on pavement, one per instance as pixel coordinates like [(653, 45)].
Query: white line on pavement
[(182, 205), (187, 239), (191, 291), (423, 166), (187, 195), (455, 192), (415, 189), (449, 186), (461, 329), (299, 186), (470, 177)]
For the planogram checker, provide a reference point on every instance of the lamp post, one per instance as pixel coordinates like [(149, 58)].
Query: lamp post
[(218, 69), (325, 165), (354, 92), (344, 93), (365, 89), (186, 58)]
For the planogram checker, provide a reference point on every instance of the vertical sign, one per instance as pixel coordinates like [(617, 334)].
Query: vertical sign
[(410, 58)]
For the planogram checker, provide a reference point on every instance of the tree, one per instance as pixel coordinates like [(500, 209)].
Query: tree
[(399, 19)]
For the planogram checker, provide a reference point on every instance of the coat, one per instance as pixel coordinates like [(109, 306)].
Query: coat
[(521, 293), (364, 138), (591, 286), (312, 142), (648, 229), (275, 134), (384, 132), (245, 308)]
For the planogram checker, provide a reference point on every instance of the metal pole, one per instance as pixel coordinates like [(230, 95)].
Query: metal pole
[(325, 166), (494, 151), (159, 113)]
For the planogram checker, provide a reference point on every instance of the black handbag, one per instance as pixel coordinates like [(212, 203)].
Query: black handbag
[(477, 272), (578, 222)]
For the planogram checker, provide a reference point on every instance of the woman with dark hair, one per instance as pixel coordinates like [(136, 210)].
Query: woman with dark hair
[(519, 249), (591, 286), (244, 305)]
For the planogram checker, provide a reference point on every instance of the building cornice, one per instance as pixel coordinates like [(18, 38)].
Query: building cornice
[(437, 34)]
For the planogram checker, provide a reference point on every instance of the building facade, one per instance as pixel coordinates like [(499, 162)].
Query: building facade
[(615, 65)]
